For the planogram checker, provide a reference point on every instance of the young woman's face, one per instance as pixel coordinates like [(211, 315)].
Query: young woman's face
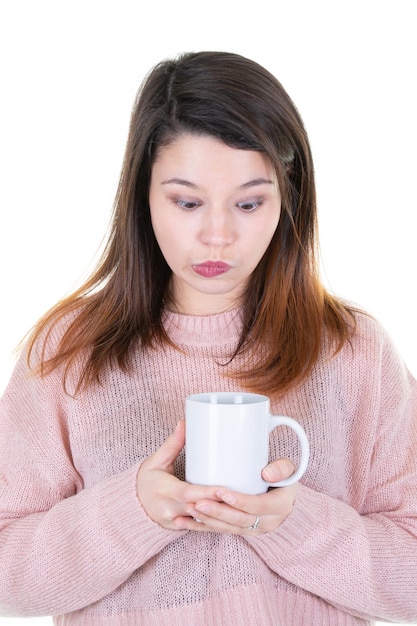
[(214, 210)]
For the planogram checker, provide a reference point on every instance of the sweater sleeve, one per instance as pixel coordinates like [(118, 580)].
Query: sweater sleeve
[(62, 546), (362, 558)]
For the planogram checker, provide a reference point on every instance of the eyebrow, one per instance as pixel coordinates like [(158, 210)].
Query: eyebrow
[(186, 183)]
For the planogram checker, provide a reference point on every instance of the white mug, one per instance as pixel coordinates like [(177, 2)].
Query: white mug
[(227, 441)]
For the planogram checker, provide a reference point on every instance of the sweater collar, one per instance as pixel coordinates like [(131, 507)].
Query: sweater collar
[(219, 329)]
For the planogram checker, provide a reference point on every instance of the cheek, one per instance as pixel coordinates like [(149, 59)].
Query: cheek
[(169, 238), (165, 241), (261, 235), (159, 229), (159, 221), (273, 225)]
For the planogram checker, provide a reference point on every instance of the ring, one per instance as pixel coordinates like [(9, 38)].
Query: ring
[(256, 524)]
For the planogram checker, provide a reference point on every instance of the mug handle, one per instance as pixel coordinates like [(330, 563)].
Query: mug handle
[(281, 420)]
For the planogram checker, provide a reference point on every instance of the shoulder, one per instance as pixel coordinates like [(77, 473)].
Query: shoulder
[(371, 337), (45, 338), (368, 330), (372, 355), (48, 347)]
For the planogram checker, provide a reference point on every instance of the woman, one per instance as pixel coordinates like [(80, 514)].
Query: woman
[(208, 282)]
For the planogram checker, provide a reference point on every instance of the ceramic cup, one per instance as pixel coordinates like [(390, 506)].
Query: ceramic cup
[(227, 441)]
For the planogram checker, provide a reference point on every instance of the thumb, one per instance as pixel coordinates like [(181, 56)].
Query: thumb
[(278, 470), (165, 456)]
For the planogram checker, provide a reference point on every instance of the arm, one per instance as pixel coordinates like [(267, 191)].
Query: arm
[(364, 565), (62, 547), (361, 555), (358, 554)]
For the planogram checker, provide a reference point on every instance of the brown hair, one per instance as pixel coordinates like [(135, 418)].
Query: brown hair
[(286, 310)]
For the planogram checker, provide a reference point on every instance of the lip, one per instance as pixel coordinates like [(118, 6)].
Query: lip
[(211, 269)]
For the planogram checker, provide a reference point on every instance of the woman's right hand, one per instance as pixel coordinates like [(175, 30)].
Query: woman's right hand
[(165, 498)]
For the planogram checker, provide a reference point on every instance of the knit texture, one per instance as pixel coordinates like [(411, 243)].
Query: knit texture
[(76, 543)]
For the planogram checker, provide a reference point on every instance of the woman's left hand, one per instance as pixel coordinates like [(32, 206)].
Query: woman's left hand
[(236, 513)]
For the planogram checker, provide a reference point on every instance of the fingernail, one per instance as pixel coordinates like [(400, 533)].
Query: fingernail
[(228, 498), (203, 507), (271, 474)]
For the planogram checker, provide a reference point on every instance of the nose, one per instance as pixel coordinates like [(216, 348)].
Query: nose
[(217, 228)]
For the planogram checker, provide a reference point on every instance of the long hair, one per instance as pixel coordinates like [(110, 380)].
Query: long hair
[(286, 310)]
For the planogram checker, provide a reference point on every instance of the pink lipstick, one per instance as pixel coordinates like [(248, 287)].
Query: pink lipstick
[(211, 269)]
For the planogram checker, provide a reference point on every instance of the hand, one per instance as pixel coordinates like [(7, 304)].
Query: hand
[(164, 497), (233, 513)]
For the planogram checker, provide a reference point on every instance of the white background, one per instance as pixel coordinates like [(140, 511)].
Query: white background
[(69, 74)]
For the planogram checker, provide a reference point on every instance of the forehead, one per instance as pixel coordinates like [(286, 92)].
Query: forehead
[(203, 157)]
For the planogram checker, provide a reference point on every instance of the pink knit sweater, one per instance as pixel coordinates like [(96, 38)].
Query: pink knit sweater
[(76, 543)]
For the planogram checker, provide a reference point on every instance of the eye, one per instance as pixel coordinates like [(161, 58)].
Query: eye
[(187, 205), (250, 205)]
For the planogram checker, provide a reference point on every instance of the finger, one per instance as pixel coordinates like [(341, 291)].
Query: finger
[(240, 502), (278, 470), (165, 456), (237, 512), (216, 514), (191, 523), (225, 519), (273, 502)]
